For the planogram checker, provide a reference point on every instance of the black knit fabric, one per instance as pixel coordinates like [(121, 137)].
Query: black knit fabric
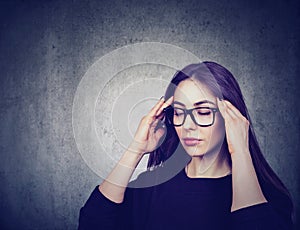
[(180, 203)]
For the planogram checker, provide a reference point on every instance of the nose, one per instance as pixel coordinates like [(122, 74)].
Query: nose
[(189, 123)]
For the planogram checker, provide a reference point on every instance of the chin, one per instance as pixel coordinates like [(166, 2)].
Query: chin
[(194, 151), (197, 154)]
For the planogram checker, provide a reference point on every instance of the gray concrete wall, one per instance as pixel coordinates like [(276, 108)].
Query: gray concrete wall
[(47, 46)]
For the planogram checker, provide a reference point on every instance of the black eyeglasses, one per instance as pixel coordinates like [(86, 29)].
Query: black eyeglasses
[(202, 116)]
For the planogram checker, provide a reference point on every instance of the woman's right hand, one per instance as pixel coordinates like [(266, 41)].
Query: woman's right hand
[(148, 133)]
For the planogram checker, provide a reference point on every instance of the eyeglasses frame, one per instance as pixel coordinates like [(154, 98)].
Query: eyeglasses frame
[(190, 112)]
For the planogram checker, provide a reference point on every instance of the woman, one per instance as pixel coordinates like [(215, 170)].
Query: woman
[(224, 180)]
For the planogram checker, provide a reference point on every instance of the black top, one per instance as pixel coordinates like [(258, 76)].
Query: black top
[(181, 203)]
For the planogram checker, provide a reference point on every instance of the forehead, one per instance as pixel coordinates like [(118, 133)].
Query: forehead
[(191, 91)]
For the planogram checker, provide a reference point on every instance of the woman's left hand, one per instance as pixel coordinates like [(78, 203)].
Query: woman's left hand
[(236, 127)]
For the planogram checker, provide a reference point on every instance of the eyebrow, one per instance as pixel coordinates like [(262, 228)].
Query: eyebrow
[(195, 104)]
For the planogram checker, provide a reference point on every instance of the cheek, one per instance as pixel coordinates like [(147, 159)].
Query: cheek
[(178, 131), (215, 133), (218, 130)]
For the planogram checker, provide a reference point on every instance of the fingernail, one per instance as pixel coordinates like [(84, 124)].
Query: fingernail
[(161, 97), (220, 103)]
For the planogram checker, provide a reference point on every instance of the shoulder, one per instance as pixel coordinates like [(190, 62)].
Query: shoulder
[(146, 179), (157, 177)]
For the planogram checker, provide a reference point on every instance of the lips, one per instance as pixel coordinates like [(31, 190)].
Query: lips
[(191, 141)]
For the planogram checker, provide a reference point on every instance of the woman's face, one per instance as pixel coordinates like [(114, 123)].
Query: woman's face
[(197, 140)]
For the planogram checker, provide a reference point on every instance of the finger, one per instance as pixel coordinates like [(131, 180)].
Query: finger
[(159, 125), (157, 106), (232, 108), (221, 107), (154, 126), (161, 116), (145, 125), (157, 130), (148, 129), (230, 112), (142, 131), (225, 111), (165, 105)]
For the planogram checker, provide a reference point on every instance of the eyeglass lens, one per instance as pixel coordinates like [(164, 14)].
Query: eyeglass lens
[(202, 116)]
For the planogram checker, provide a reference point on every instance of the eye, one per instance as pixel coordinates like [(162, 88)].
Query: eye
[(203, 111), (178, 112)]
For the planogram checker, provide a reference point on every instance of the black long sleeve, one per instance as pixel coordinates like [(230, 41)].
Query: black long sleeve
[(99, 212), (180, 203)]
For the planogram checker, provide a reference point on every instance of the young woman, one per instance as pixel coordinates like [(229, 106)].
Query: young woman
[(207, 170)]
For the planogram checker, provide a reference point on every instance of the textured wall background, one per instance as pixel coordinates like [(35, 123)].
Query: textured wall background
[(46, 47)]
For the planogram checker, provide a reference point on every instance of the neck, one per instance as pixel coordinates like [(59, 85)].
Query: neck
[(200, 167)]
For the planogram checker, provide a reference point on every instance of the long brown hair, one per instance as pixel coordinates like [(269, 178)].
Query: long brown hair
[(224, 86)]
